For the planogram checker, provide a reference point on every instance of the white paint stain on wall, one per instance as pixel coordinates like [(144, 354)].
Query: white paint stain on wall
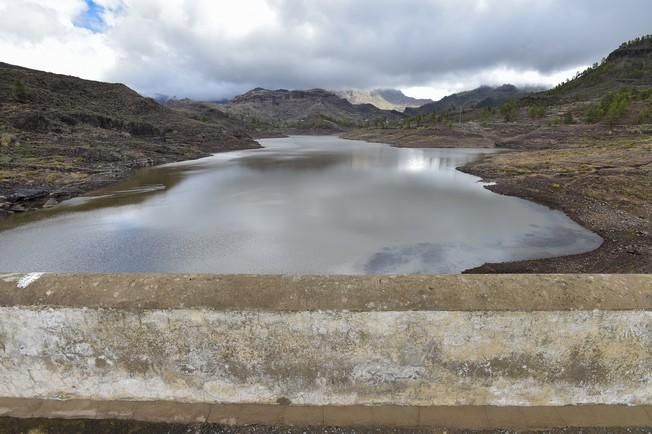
[(28, 279)]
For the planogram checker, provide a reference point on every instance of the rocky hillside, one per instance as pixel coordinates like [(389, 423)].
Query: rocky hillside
[(304, 109), (61, 135), (616, 91), (386, 99), (484, 96), (629, 66)]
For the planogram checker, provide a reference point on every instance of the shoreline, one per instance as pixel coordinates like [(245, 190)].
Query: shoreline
[(624, 250), (27, 199), (602, 183), (503, 188)]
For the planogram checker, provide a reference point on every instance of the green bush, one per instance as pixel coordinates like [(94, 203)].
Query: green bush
[(645, 116), (509, 109), (20, 91), (568, 118), (618, 107), (485, 117), (612, 108), (536, 111)]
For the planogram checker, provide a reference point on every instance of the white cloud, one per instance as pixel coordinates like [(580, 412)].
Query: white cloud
[(216, 48), (453, 83), (40, 34)]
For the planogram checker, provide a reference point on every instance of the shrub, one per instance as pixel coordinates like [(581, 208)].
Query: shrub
[(508, 109), (645, 116), (617, 108), (612, 108), (595, 114), (20, 91), (536, 111), (568, 118)]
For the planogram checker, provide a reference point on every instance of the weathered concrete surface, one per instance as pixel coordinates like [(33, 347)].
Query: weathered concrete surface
[(450, 417), (310, 293), (405, 345), (328, 358)]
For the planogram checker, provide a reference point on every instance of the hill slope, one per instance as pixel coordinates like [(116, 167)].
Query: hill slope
[(484, 96), (304, 109), (386, 99), (62, 135), (629, 66)]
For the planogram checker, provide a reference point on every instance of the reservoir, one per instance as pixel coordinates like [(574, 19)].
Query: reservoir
[(310, 205)]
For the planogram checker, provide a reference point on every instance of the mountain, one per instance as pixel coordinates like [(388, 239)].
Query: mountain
[(386, 99), (304, 109), (61, 133), (483, 96)]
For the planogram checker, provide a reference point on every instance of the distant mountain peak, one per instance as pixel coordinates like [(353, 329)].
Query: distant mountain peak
[(312, 108), (386, 99)]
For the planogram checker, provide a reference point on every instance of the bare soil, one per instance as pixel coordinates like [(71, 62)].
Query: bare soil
[(62, 426)]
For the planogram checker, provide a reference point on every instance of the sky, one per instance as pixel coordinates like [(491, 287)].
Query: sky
[(216, 49)]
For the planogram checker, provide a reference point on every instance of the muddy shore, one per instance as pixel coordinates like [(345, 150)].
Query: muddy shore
[(608, 194)]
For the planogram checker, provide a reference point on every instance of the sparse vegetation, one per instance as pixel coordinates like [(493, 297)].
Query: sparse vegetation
[(20, 91), (611, 108), (509, 109), (536, 111)]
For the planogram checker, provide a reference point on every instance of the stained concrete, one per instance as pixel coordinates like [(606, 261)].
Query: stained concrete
[(382, 350), (449, 417), (525, 292)]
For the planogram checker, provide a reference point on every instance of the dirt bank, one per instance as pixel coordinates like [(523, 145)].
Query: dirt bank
[(432, 137), (606, 188)]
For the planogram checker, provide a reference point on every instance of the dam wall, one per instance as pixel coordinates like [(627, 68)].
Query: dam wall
[(481, 351)]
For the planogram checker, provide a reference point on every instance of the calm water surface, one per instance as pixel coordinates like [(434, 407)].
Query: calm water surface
[(300, 205)]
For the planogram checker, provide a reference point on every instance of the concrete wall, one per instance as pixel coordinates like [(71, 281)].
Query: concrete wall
[(328, 342)]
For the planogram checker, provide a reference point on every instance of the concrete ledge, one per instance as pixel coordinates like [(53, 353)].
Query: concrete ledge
[(513, 292), (453, 351), (452, 417)]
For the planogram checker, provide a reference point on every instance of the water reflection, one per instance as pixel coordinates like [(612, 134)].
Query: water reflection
[(303, 204)]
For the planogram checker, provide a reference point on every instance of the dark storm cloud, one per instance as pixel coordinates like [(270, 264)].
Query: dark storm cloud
[(362, 43)]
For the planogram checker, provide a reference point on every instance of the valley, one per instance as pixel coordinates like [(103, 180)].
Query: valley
[(584, 147)]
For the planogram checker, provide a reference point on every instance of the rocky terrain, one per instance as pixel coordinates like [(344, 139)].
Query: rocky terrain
[(386, 99), (603, 184), (60, 136)]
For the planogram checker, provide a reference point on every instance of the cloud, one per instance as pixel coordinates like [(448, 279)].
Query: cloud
[(211, 49)]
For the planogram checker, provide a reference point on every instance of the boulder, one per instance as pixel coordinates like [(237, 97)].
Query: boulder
[(18, 208), (51, 202), (27, 194)]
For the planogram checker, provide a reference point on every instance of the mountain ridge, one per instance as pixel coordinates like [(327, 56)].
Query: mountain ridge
[(312, 108), (480, 97)]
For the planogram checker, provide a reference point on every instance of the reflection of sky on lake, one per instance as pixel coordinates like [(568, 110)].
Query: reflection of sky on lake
[(301, 204)]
